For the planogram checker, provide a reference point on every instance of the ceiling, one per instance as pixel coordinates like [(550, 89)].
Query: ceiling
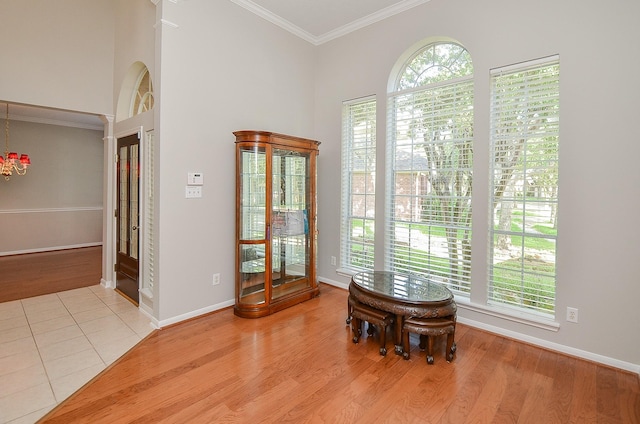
[(319, 21), (316, 21)]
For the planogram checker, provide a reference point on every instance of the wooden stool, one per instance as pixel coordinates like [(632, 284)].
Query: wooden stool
[(361, 312), (430, 328)]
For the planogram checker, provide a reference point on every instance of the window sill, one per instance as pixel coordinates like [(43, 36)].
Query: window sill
[(508, 314), (346, 272)]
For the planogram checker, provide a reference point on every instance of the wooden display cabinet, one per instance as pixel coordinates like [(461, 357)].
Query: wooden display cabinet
[(275, 222)]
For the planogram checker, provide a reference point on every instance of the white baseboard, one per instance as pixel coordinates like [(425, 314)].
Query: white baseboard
[(146, 311), (334, 283), (107, 284), (218, 306), (196, 313), (567, 350)]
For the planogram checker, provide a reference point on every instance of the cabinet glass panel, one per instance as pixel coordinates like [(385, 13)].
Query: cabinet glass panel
[(252, 273), (289, 221), (253, 182), (252, 210)]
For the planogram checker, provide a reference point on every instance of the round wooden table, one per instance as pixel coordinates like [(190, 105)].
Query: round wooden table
[(404, 295)]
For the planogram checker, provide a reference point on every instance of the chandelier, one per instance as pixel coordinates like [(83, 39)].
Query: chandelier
[(10, 162)]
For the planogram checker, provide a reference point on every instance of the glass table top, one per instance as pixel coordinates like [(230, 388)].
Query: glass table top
[(404, 287)]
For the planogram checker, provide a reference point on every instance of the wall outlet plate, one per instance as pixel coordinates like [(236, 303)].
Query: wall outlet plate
[(572, 314)]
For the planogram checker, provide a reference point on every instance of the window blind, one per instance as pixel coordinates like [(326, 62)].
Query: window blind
[(358, 184), (429, 177), (524, 185), (148, 279)]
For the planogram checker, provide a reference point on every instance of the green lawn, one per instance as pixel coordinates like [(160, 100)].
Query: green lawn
[(528, 281)]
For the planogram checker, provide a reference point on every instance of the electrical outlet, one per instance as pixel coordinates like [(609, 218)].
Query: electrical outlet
[(572, 314), (333, 260), (216, 279)]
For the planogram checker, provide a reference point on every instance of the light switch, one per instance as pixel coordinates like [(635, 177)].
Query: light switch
[(192, 192)]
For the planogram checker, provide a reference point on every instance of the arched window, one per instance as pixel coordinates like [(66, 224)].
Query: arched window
[(435, 63), (429, 166), (142, 100), (136, 92)]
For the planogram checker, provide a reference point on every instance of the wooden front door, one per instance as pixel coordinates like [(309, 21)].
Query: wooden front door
[(128, 216)]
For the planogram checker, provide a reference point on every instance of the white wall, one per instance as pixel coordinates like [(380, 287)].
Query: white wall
[(58, 54), (221, 69), (58, 203), (598, 247)]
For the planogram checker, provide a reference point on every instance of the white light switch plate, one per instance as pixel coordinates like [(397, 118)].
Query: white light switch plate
[(192, 192)]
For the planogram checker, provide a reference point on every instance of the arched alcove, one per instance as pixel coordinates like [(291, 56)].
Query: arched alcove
[(136, 92)]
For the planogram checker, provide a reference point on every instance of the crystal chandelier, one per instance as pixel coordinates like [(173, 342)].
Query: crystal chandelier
[(10, 162)]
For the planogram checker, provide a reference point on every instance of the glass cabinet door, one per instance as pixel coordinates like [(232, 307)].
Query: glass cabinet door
[(290, 221), (252, 214), (275, 222)]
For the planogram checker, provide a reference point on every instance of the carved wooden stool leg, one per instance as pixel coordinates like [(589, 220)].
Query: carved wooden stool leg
[(399, 319), (430, 350), (406, 348), (356, 327), (383, 340), (451, 347)]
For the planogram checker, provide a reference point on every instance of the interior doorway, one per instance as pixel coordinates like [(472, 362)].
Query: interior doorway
[(127, 264)]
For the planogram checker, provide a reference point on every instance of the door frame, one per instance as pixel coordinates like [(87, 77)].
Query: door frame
[(129, 262), (141, 124), (110, 201)]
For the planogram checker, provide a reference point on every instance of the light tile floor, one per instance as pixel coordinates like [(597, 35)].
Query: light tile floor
[(51, 345)]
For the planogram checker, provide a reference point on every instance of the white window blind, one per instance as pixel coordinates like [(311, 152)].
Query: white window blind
[(148, 280), (429, 168), (524, 185), (358, 184)]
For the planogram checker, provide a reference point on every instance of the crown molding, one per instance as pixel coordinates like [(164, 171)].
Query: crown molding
[(378, 16), (275, 19), (336, 33)]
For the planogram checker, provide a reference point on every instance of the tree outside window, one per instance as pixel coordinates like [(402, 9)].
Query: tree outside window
[(429, 168)]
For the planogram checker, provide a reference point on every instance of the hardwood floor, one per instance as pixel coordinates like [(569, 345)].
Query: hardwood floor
[(35, 274), (300, 365)]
